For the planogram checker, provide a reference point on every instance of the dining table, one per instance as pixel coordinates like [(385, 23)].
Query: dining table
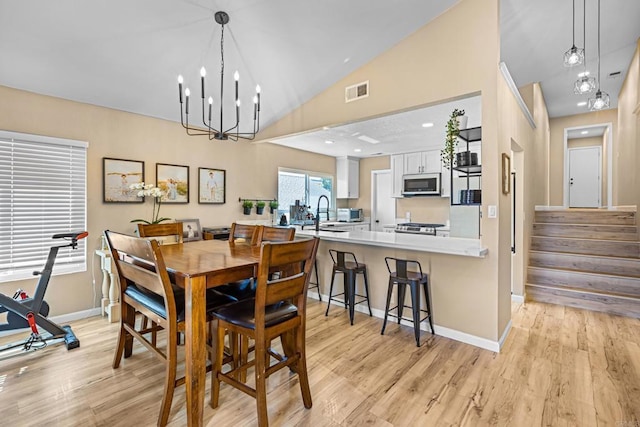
[(196, 266)]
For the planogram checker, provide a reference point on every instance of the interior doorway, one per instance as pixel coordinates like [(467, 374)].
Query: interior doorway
[(596, 135), (585, 170), (383, 206)]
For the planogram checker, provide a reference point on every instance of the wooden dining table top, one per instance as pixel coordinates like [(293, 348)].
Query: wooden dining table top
[(215, 259)]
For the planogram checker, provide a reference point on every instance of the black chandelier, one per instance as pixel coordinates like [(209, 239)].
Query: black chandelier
[(233, 133)]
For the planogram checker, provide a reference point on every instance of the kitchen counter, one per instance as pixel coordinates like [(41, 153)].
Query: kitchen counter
[(413, 242)]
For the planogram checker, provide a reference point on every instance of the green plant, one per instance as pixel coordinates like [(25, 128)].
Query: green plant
[(273, 204), (248, 204), (451, 139), (261, 204)]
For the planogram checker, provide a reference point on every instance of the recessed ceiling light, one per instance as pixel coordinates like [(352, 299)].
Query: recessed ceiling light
[(427, 125), (582, 104), (584, 132), (583, 74), (346, 60), (368, 139), (328, 141), (358, 150)]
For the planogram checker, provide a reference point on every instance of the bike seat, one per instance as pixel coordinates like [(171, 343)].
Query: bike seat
[(74, 235)]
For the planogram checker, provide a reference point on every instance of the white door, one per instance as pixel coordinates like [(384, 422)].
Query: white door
[(383, 205), (584, 177)]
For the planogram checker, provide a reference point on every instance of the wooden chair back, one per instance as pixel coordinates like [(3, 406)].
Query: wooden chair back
[(162, 230), (139, 262), (296, 258), (245, 233), (276, 234)]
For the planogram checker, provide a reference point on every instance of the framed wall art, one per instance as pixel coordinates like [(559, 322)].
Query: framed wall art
[(506, 174), (174, 181), (190, 229), (211, 185), (117, 176)]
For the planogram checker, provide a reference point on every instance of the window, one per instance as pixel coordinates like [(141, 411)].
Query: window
[(304, 186), (42, 192)]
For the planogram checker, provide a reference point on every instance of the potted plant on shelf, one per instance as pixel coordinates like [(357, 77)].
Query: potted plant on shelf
[(273, 205), (260, 204), (246, 206), (451, 139)]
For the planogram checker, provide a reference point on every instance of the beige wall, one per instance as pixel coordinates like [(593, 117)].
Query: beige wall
[(556, 152), (423, 70), (251, 172), (629, 133)]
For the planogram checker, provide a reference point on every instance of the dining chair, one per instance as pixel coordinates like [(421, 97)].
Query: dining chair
[(162, 230), (145, 288), (243, 233), (278, 310), (275, 234)]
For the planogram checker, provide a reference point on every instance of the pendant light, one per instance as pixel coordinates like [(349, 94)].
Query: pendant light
[(573, 56), (601, 101), (584, 84), (211, 131)]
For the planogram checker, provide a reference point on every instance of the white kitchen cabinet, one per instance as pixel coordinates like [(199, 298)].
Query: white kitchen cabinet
[(422, 162), (348, 178), (397, 170), (361, 227)]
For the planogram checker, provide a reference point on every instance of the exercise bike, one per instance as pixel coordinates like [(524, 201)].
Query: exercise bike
[(25, 312)]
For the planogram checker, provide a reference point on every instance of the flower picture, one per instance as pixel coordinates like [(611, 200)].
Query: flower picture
[(141, 189)]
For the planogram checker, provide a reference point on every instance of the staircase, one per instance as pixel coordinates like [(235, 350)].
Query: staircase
[(586, 259)]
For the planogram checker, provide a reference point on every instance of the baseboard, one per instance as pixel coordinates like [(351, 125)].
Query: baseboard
[(504, 336), (517, 298), (63, 318), (549, 208), (438, 330)]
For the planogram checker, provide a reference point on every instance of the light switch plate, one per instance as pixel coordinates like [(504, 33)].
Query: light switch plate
[(492, 211)]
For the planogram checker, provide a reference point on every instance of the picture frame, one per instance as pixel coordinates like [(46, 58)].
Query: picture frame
[(506, 174), (117, 176), (212, 186), (191, 230), (174, 181)]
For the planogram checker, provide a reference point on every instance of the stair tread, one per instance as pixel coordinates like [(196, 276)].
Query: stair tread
[(583, 291), (612, 257), (591, 273)]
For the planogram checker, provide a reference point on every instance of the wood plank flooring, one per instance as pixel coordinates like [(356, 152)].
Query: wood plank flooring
[(559, 366)]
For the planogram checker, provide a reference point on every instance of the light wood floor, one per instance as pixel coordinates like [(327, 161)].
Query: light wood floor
[(559, 366)]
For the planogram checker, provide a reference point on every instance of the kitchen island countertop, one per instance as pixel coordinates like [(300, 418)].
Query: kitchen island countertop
[(413, 242)]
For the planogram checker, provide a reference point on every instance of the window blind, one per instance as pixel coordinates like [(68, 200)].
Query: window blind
[(42, 192)]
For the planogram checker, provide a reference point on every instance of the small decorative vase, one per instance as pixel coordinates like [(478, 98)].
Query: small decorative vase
[(259, 210), (246, 211)]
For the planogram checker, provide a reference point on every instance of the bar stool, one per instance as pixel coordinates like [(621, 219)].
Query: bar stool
[(402, 277), (349, 269), (316, 284)]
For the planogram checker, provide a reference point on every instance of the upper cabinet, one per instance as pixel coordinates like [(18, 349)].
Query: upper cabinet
[(348, 178), (397, 170), (422, 162)]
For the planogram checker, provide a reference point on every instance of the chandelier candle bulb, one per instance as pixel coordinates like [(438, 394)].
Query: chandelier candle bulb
[(187, 92), (203, 73), (210, 105)]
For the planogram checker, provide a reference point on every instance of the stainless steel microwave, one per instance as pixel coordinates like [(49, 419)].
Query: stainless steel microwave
[(350, 215), (424, 184)]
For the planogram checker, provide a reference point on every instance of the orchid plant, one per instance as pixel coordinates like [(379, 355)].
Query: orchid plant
[(148, 190)]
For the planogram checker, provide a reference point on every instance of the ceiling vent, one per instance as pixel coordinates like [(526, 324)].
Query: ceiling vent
[(357, 91), (614, 75)]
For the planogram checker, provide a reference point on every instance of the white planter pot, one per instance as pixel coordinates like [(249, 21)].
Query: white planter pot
[(462, 122)]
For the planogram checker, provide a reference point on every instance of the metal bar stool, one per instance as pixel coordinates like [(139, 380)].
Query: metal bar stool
[(402, 277), (316, 284), (349, 269)]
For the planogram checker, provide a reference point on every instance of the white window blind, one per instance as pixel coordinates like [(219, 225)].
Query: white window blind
[(42, 192)]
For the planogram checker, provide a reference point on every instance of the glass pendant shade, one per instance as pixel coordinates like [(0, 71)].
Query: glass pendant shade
[(584, 85), (573, 57), (600, 102)]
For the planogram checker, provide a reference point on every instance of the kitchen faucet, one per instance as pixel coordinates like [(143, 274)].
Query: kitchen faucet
[(318, 212)]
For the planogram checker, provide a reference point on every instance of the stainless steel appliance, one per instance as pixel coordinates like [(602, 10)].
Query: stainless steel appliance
[(299, 214), (350, 215), (424, 184), (418, 228)]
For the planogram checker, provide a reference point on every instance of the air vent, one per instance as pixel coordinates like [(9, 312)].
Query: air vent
[(614, 75), (357, 91)]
